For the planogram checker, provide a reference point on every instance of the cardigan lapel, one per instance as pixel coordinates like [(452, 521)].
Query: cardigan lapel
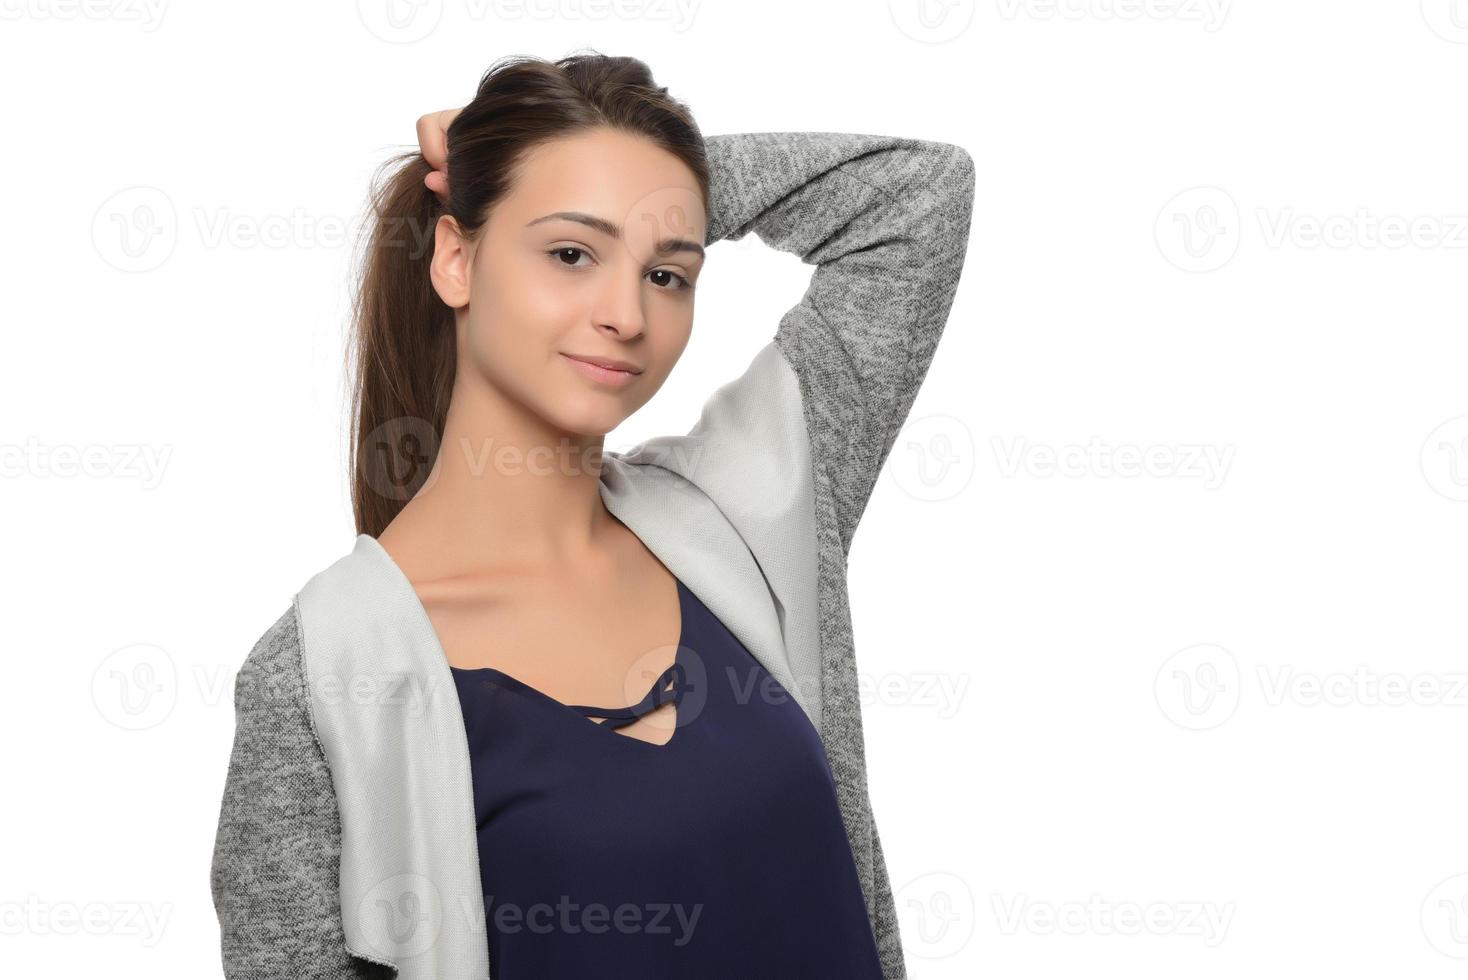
[(385, 708), (730, 509)]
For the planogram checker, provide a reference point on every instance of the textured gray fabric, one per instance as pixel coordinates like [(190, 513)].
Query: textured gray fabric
[(274, 869), (886, 221)]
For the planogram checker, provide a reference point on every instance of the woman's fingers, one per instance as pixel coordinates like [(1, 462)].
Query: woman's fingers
[(433, 136), (433, 143)]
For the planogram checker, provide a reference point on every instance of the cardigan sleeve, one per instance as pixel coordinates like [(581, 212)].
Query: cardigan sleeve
[(275, 864), (885, 220)]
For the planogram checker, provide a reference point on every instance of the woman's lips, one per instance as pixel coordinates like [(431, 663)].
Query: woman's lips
[(596, 372)]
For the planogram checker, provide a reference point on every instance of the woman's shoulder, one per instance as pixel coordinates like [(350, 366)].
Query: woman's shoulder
[(272, 671)]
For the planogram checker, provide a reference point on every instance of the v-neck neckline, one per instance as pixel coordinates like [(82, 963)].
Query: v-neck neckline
[(517, 686), (520, 686)]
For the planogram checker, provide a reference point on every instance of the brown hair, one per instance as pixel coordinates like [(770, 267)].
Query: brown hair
[(402, 334)]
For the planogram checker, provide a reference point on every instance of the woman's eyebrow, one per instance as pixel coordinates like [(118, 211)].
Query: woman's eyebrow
[(604, 226)]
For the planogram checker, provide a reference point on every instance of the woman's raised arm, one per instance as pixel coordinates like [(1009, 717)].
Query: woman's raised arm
[(885, 219)]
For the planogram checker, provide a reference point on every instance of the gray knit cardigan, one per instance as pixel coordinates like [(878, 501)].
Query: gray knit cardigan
[(346, 845)]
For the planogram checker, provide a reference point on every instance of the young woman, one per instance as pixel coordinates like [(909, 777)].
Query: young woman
[(560, 712)]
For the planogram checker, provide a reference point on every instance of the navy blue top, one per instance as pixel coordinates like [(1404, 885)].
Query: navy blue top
[(719, 854)]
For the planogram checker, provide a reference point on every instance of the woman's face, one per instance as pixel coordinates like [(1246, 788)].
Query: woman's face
[(592, 254)]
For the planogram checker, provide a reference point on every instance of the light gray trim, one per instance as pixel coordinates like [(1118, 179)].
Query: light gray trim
[(386, 708), (728, 508)]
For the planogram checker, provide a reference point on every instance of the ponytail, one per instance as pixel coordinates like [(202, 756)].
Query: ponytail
[(404, 349)]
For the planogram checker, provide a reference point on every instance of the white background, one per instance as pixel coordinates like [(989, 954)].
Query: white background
[(1203, 720)]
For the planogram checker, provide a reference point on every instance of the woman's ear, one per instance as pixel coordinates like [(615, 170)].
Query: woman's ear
[(451, 270)]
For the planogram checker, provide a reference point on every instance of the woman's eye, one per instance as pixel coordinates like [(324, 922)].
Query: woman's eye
[(672, 281), (560, 253), (682, 282)]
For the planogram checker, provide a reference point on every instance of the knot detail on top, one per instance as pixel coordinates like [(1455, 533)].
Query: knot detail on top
[(655, 698)]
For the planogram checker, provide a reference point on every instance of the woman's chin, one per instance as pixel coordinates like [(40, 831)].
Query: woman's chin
[(590, 422)]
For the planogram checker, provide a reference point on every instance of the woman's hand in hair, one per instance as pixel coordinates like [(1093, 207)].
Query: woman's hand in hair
[(433, 142)]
